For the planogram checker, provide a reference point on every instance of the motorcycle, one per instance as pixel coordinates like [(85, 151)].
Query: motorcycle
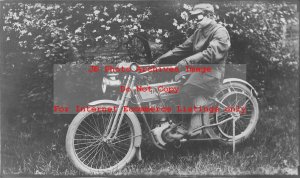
[(104, 140)]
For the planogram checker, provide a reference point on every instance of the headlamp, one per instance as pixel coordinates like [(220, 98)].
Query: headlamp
[(134, 67), (111, 81)]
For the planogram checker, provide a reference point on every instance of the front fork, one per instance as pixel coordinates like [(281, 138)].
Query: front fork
[(115, 123)]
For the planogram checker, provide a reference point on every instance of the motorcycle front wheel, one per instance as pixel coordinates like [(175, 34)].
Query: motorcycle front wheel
[(88, 148)]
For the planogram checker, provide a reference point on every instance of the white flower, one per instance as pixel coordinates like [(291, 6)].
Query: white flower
[(23, 32), (157, 40), (78, 30), (166, 35), (135, 27), (119, 20), (108, 22), (107, 28), (98, 37), (126, 36), (274, 59), (101, 20), (174, 22), (187, 7), (184, 15), (179, 26), (142, 30), (116, 6), (159, 31), (113, 38), (96, 12)]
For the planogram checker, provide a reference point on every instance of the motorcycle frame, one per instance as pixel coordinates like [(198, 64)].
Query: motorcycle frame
[(115, 123)]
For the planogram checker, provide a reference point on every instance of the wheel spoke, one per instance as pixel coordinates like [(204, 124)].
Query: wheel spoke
[(84, 143), (86, 133), (92, 160), (87, 151), (101, 157), (119, 149), (121, 140), (92, 127), (113, 153), (85, 139), (90, 153), (97, 126)]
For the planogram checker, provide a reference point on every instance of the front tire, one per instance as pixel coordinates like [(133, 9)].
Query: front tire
[(88, 149)]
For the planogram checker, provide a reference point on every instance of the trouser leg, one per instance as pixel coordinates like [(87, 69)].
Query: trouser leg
[(187, 95)]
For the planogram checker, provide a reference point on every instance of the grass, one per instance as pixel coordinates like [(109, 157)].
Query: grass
[(272, 149)]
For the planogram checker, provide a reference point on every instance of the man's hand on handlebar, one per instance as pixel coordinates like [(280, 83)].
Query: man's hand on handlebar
[(181, 65)]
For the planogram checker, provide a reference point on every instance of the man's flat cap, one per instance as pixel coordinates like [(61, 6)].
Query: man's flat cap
[(201, 8)]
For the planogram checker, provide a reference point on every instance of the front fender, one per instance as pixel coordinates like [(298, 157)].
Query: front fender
[(229, 80), (132, 117)]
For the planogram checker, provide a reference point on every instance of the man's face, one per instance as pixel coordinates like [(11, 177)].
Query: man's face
[(201, 20)]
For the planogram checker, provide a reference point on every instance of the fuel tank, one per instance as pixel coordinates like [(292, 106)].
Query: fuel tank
[(149, 93)]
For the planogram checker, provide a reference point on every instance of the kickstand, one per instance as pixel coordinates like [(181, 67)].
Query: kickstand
[(139, 154), (233, 131)]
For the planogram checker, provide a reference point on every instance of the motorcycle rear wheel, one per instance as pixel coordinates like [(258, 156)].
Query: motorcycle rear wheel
[(235, 94), (88, 149)]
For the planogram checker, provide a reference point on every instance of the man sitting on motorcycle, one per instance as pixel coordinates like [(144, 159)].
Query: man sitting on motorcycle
[(209, 44)]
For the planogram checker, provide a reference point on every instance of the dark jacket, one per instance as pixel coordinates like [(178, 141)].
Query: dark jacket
[(208, 45)]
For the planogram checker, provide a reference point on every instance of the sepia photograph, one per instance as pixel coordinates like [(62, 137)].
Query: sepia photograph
[(149, 88)]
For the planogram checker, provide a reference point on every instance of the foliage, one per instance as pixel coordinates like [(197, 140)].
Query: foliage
[(38, 35), (54, 28)]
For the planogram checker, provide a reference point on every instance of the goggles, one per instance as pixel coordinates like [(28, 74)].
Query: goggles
[(198, 17)]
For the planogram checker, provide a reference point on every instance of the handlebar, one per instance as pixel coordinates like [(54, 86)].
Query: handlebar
[(147, 65)]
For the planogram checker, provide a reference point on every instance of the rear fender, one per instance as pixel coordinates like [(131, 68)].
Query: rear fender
[(131, 115), (230, 80)]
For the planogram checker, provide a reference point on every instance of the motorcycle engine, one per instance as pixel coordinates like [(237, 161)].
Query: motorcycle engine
[(158, 132)]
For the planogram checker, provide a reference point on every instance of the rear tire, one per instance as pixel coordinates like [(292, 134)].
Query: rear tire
[(238, 95)]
